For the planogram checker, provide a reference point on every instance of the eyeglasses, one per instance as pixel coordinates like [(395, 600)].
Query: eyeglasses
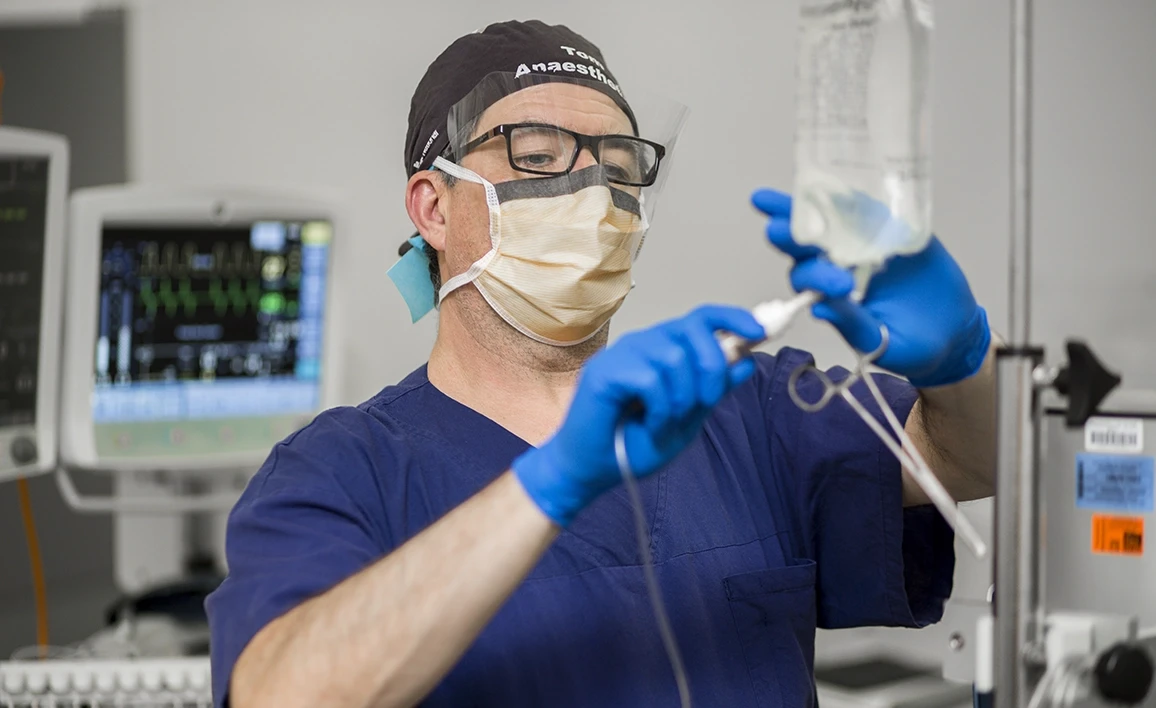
[(542, 149)]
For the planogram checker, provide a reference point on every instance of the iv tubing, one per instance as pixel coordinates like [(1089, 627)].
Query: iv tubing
[(652, 588), (910, 459)]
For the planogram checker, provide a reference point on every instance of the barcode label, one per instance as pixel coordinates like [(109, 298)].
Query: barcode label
[(1114, 435), (1113, 438)]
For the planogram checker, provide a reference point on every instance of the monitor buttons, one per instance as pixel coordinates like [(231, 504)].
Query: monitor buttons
[(23, 450)]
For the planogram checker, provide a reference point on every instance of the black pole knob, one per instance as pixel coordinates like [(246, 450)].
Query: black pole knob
[(23, 450), (1085, 381), (1124, 674)]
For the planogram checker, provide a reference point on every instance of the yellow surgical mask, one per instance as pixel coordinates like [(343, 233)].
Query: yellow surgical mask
[(560, 253)]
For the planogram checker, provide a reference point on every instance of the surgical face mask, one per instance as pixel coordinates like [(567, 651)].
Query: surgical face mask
[(560, 253)]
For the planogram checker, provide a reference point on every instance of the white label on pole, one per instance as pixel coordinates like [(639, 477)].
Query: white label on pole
[(1114, 435)]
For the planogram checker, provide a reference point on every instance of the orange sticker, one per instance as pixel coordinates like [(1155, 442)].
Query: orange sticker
[(1123, 535)]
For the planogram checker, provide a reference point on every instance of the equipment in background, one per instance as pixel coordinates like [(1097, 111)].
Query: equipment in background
[(195, 343), (1098, 638), (75, 683), (33, 185), (1062, 624), (882, 681), (194, 327), (1097, 490), (195, 331)]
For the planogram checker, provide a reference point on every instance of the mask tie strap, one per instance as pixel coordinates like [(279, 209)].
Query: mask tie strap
[(479, 266), (455, 170)]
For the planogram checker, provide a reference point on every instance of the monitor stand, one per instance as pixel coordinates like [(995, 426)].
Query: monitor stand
[(153, 548)]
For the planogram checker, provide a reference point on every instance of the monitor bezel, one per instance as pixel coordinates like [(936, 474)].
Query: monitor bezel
[(21, 142), (92, 209)]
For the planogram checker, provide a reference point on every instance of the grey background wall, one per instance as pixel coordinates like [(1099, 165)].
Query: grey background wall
[(298, 93)]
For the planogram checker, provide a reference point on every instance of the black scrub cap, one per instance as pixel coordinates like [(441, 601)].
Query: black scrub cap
[(532, 49)]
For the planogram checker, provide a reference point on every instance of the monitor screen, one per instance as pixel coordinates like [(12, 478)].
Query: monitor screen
[(23, 216), (207, 324)]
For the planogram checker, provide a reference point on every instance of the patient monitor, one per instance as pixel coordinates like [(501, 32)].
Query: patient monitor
[(33, 182), (195, 327), (194, 340)]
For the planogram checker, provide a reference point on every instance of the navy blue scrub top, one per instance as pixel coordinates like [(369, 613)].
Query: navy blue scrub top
[(774, 521)]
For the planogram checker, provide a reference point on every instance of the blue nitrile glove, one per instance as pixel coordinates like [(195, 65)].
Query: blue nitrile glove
[(676, 371), (938, 335)]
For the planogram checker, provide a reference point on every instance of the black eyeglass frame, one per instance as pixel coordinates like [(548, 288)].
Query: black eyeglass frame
[(581, 141)]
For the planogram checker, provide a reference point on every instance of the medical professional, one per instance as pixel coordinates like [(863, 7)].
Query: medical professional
[(461, 538)]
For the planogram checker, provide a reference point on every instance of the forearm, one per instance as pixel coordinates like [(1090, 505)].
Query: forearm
[(954, 427), (387, 635)]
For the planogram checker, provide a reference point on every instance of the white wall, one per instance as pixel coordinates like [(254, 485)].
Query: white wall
[(304, 93), (1095, 163)]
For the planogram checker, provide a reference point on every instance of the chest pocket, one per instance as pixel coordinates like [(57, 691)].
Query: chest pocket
[(774, 615)]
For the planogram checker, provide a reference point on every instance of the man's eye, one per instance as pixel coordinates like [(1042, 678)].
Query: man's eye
[(620, 173), (536, 161), (615, 172)]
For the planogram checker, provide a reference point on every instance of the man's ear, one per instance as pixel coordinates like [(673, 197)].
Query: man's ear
[(424, 201)]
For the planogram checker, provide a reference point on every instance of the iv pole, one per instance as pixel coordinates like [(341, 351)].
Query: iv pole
[(1018, 630)]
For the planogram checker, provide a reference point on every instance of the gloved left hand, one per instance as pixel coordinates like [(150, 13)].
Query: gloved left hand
[(937, 333)]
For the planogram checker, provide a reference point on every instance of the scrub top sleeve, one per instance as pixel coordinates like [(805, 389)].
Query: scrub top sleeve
[(879, 564), (295, 533)]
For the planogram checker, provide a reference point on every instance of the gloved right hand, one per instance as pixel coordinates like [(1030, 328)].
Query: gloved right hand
[(938, 334), (676, 371)]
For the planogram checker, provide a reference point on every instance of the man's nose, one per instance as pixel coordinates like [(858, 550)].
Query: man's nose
[(585, 159)]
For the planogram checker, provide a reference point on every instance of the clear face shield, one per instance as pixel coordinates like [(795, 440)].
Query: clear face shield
[(571, 180)]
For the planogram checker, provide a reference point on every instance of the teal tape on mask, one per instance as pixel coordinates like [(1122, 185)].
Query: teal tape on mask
[(410, 275)]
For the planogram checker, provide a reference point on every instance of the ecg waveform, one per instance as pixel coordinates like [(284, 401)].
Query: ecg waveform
[(223, 297), (220, 259), (182, 304)]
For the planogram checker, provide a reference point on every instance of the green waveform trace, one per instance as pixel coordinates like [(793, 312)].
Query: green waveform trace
[(236, 295)]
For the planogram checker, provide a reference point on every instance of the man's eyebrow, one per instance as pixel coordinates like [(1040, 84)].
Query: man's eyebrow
[(567, 126), (543, 121)]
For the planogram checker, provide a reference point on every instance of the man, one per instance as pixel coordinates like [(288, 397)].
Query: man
[(460, 538)]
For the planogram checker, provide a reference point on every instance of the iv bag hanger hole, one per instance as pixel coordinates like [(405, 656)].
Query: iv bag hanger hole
[(1085, 381)]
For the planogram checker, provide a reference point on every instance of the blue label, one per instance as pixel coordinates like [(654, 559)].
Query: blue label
[(1114, 482)]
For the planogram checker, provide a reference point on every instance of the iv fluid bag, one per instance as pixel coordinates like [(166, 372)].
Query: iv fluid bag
[(863, 140)]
